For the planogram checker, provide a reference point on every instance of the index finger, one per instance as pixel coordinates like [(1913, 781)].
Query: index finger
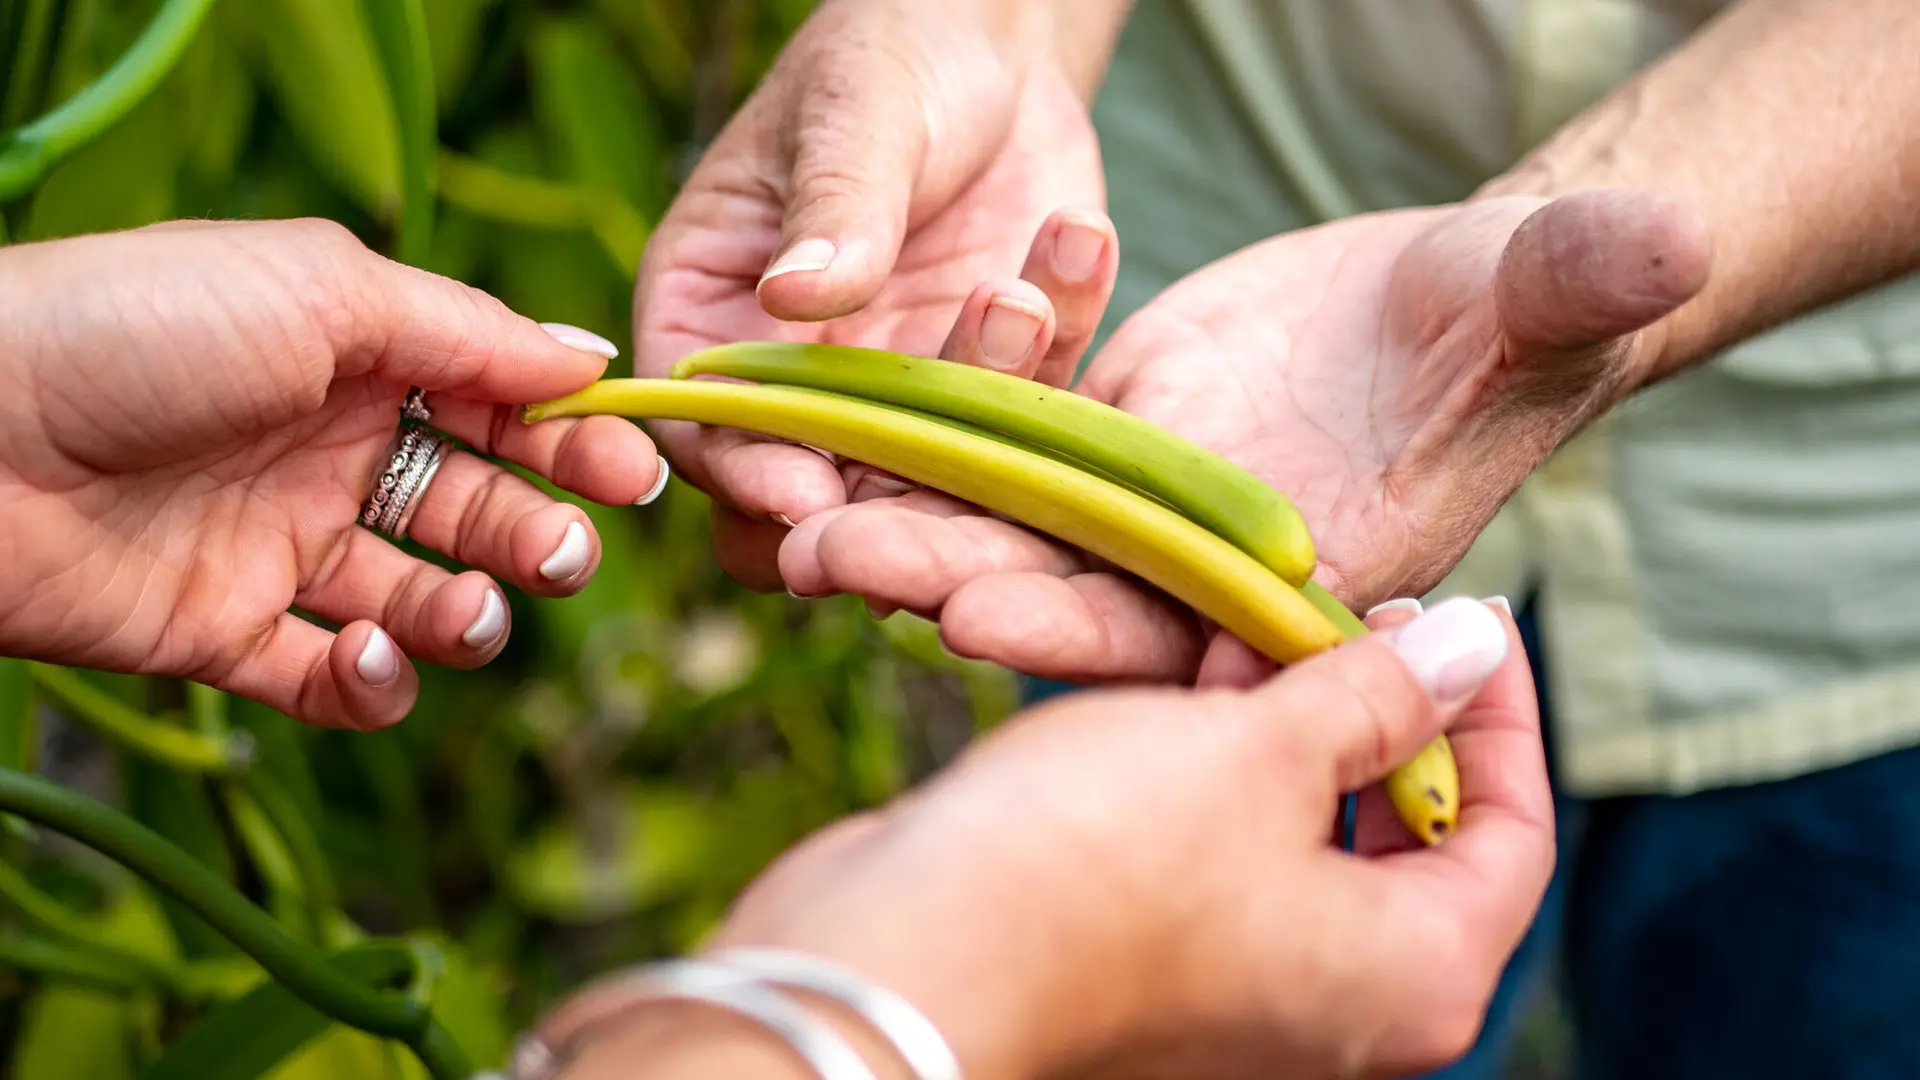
[(1495, 868)]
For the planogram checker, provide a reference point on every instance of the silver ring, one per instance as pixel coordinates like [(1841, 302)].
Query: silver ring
[(412, 461)]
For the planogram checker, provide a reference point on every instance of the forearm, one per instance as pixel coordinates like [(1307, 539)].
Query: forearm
[(1789, 125)]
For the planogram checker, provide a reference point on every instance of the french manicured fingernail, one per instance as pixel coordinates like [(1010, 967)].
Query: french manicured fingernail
[(782, 519), (1452, 647), (1008, 331), (1398, 603), (659, 485), (1077, 250), (585, 340), (1501, 603), (570, 557), (487, 627), (804, 257), (379, 662), (872, 486)]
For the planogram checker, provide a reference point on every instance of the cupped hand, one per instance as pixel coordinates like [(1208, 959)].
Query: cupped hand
[(898, 154), (1397, 374), (194, 413), (1142, 882)]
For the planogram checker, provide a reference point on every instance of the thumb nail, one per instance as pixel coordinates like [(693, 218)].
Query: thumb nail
[(803, 257), (1453, 647), (585, 340)]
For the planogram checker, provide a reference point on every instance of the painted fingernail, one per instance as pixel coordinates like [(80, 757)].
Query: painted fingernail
[(570, 557), (1008, 331), (1453, 647), (490, 624), (873, 486), (804, 257), (782, 519), (798, 595), (1077, 250), (379, 662), (585, 340), (659, 485), (1398, 603), (1501, 603)]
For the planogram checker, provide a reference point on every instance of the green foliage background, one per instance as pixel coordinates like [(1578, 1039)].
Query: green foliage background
[(599, 793)]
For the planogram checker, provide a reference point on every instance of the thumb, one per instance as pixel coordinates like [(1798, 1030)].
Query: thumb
[(856, 145), (1369, 706), (421, 329), (878, 132), (1594, 266)]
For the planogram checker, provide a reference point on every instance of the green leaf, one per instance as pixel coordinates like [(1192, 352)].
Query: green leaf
[(17, 729), (399, 29), (453, 26), (71, 1032), (250, 1035), (178, 806), (121, 181), (318, 58), (595, 112)]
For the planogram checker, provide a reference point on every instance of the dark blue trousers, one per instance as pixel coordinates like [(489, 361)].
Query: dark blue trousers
[(1749, 933)]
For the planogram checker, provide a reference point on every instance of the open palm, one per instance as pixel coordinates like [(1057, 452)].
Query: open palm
[(864, 192), (1397, 374)]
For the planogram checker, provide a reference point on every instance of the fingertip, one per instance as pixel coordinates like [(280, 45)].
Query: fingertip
[(469, 620), (374, 681), (555, 550), (813, 279), (1005, 325)]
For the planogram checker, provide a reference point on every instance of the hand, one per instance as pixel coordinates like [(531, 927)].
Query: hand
[(899, 154), (194, 413), (1142, 882), (1397, 374)]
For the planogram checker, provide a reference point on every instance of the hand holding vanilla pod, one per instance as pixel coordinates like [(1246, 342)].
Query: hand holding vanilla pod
[(1083, 472)]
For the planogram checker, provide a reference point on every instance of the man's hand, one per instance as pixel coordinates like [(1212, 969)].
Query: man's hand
[(899, 154), (1397, 374), (191, 415)]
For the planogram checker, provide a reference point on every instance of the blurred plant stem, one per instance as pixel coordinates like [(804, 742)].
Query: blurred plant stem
[(29, 152)]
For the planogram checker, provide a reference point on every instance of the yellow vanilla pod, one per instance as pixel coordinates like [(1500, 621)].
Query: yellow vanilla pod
[(1162, 547), (1425, 792), (1206, 487)]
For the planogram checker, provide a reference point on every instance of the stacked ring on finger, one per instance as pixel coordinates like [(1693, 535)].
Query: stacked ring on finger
[(412, 461)]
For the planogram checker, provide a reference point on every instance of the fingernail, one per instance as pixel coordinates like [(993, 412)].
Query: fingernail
[(659, 485), (872, 486), (805, 256), (1008, 331), (1398, 603), (797, 595), (782, 519), (585, 340), (1501, 603), (1453, 647), (379, 662), (486, 629), (570, 557), (880, 611), (1077, 250)]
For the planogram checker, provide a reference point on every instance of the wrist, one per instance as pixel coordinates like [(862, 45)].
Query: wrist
[(996, 955)]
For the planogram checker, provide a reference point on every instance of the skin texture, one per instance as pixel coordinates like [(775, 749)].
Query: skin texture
[(1399, 374), (927, 144), (193, 413), (1059, 948)]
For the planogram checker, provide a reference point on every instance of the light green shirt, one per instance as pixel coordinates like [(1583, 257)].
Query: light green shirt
[(1729, 564)]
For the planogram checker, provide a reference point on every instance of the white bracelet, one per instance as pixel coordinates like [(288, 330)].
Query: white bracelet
[(541, 1055), (913, 1036)]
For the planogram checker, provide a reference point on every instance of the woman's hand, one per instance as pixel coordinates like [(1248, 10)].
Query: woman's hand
[(1397, 374), (899, 154), (1143, 883), (193, 416)]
